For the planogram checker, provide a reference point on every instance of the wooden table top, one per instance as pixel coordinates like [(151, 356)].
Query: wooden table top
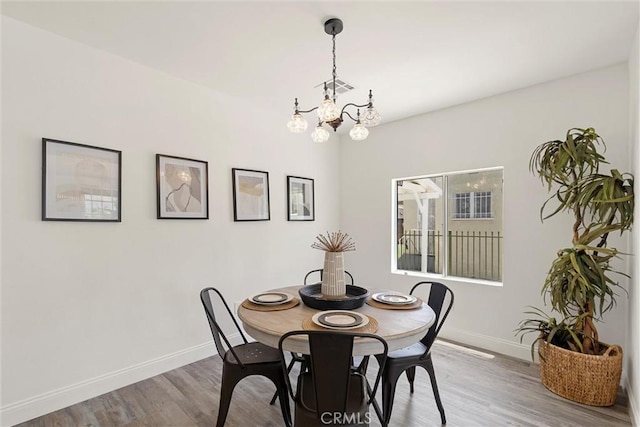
[(400, 328)]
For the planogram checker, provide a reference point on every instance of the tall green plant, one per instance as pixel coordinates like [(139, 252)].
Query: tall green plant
[(579, 284)]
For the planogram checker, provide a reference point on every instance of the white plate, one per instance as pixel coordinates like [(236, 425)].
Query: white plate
[(271, 298), (394, 298), (340, 319)]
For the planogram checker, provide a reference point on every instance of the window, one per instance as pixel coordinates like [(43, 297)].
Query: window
[(473, 205), (449, 224), (463, 205)]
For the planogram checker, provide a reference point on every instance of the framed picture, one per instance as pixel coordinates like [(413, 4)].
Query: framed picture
[(80, 182), (300, 199), (250, 195), (182, 188)]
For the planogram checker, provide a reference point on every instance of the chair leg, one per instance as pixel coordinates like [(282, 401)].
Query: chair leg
[(273, 399), (376, 406), (283, 395), (275, 395), (411, 376), (434, 386), (305, 363), (226, 390), (388, 393), (364, 364)]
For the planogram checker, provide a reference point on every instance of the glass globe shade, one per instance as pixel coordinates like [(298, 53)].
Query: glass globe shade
[(371, 117), (297, 124), (320, 134), (359, 132), (328, 111)]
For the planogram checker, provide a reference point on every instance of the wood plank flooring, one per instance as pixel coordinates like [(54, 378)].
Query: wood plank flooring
[(475, 391)]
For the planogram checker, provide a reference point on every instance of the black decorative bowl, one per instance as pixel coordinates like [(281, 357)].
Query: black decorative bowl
[(312, 296)]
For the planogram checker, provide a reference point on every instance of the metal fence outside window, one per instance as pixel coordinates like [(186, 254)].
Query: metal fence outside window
[(471, 254)]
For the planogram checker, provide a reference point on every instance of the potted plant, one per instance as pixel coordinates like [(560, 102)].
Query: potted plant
[(581, 283)]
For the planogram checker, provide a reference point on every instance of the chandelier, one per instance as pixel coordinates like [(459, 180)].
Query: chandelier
[(328, 111)]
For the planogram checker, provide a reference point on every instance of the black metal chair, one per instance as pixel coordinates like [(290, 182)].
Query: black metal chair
[(298, 357), (419, 354), (329, 392), (320, 270), (241, 361)]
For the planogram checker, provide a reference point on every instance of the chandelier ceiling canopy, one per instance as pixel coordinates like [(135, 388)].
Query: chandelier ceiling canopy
[(328, 111)]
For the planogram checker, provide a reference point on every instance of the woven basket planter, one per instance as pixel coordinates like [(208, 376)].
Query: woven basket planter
[(583, 378)]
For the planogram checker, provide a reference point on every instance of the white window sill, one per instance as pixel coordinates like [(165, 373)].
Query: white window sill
[(439, 277)]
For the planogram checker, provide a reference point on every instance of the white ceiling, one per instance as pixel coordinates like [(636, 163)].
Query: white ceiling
[(416, 56)]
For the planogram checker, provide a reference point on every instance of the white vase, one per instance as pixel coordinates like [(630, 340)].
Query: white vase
[(333, 283)]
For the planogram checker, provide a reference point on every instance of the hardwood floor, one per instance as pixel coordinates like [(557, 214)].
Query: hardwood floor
[(475, 391)]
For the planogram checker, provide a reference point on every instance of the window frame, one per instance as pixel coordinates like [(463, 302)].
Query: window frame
[(445, 191)]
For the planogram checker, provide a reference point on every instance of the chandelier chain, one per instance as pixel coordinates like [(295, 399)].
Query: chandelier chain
[(334, 67)]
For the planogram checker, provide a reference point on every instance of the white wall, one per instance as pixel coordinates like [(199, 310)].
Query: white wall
[(633, 363), (498, 131), (89, 307)]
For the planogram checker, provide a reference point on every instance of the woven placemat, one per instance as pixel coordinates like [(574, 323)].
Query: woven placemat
[(257, 307), (369, 328), (376, 304)]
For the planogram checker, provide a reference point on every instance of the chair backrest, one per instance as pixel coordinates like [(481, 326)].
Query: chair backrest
[(320, 270), (440, 300), (330, 367), (219, 338)]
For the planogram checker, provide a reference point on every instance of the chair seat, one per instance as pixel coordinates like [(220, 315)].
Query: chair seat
[(253, 353), (415, 350)]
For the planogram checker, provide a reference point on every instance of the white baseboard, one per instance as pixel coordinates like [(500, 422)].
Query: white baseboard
[(53, 400), (634, 410), (497, 345)]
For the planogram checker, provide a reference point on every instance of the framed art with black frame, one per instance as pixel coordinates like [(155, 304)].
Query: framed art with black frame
[(250, 195), (80, 182), (300, 199), (182, 187)]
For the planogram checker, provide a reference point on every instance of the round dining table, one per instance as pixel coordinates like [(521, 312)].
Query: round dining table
[(399, 327)]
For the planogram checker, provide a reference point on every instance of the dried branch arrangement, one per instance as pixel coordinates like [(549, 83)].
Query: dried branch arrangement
[(334, 242)]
